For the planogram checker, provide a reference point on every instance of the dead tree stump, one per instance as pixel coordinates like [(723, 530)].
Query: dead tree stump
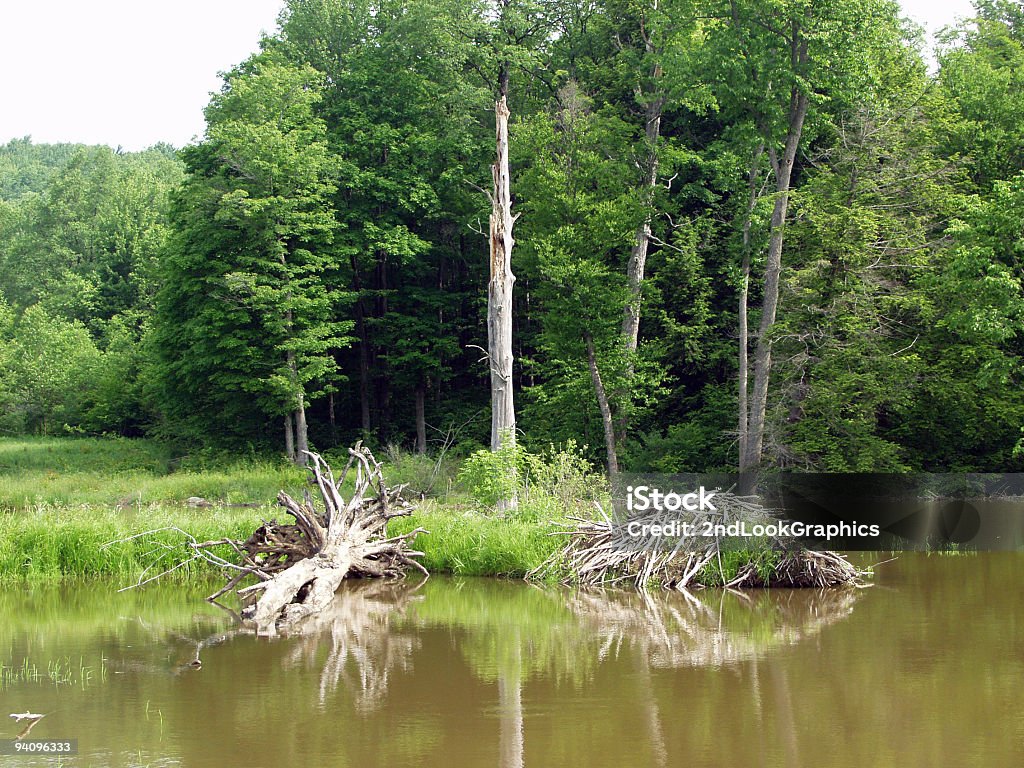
[(301, 566)]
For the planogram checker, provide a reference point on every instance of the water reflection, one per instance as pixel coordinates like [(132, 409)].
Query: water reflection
[(364, 644), (920, 671), (709, 628), (518, 632)]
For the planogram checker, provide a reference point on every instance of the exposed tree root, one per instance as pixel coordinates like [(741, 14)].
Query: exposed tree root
[(299, 567)]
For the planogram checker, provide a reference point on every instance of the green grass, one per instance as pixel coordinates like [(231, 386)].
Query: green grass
[(469, 543), (53, 543), (111, 472), (63, 500)]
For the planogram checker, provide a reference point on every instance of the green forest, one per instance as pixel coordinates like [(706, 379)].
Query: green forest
[(749, 233)]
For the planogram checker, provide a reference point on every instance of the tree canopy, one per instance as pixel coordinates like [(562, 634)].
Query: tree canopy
[(757, 228)]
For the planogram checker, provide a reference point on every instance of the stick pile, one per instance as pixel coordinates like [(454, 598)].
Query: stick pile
[(599, 552)]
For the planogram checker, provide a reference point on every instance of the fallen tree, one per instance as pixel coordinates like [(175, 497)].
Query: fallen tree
[(299, 566)]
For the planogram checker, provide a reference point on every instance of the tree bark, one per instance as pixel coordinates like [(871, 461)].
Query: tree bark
[(289, 437), (636, 266), (421, 423), (602, 403), (744, 298), (499, 290), (301, 432), (299, 414), (783, 170)]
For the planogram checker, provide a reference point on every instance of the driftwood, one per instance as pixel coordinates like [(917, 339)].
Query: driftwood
[(300, 566)]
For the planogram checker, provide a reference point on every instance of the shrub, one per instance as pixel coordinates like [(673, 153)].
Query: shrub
[(552, 483)]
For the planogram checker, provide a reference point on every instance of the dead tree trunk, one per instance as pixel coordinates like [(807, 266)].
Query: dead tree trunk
[(636, 266), (499, 289), (744, 333), (300, 566)]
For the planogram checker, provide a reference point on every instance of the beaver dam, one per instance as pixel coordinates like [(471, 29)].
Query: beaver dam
[(286, 573), (608, 551)]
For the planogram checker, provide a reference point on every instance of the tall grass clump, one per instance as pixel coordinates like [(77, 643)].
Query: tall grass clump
[(50, 543), (424, 475), (469, 543)]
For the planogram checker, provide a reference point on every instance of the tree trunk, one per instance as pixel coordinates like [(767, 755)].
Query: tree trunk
[(602, 403), (744, 297), (499, 290), (421, 423), (299, 415), (364, 351), (783, 170), (637, 263), (289, 437), (301, 432)]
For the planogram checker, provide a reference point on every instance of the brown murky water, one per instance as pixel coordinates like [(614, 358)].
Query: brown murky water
[(924, 669)]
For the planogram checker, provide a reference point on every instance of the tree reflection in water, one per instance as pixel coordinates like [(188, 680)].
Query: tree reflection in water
[(364, 646), (511, 633)]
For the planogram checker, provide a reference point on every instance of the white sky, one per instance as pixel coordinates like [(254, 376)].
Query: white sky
[(135, 72), (128, 72)]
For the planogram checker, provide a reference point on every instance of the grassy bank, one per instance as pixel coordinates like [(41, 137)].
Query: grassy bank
[(63, 500), (52, 543), (116, 472)]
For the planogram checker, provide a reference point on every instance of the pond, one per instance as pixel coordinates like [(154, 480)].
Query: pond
[(923, 669)]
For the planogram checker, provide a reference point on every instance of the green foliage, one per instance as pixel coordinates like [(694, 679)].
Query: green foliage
[(982, 72), (727, 566), (244, 317), (85, 245), (491, 476), (46, 368), (546, 485), (319, 242)]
